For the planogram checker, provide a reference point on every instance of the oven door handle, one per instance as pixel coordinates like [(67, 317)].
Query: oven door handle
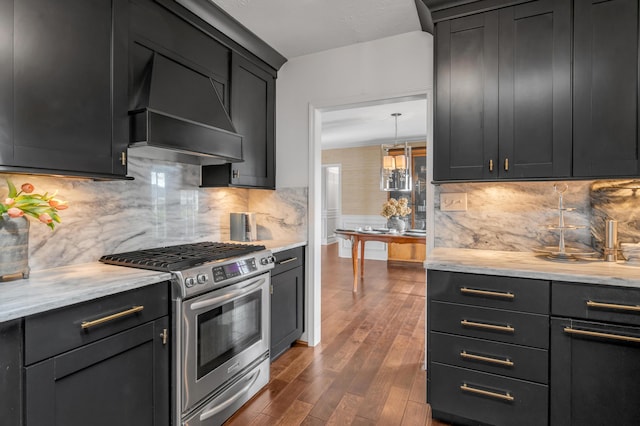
[(226, 403), (231, 294)]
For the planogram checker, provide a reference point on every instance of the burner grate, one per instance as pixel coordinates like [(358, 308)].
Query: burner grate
[(179, 257)]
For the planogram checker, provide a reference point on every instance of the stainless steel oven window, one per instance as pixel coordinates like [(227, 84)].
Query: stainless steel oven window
[(227, 330)]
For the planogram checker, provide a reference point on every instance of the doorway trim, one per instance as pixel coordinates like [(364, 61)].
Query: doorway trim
[(314, 276)]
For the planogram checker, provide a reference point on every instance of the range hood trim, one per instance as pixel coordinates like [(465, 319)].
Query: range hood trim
[(149, 130)]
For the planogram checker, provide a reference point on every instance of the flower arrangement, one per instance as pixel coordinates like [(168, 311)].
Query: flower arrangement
[(43, 207), (393, 207)]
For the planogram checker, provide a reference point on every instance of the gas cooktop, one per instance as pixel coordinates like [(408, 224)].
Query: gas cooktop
[(179, 257)]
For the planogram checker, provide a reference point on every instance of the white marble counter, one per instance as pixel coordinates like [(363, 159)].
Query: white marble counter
[(281, 245), (528, 265), (58, 287)]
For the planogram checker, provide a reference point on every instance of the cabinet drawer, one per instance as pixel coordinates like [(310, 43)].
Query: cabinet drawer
[(596, 302), (519, 294), (288, 259), (492, 357), (487, 398), (493, 324), (54, 332)]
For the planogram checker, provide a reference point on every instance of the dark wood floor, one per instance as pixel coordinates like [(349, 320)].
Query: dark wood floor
[(368, 368)]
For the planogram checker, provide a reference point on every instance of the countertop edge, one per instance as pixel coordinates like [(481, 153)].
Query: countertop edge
[(528, 265)]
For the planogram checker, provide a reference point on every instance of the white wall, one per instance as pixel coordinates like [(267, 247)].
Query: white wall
[(379, 69), (382, 69)]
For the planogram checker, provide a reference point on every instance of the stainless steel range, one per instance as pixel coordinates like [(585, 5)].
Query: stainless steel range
[(221, 324)]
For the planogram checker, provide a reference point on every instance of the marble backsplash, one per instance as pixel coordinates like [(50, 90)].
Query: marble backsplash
[(513, 216), (163, 205)]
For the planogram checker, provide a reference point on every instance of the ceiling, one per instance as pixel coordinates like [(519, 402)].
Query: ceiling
[(372, 124), (301, 27)]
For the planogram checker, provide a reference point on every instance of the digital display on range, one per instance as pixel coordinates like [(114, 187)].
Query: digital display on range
[(232, 269)]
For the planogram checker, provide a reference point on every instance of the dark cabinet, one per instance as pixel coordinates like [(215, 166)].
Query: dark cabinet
[(466, 112), (287, 300), (595, 348), (103, 362), (487, 349), (503, 93), (253, 115), (605, 88), (11, 364), (68, 77)]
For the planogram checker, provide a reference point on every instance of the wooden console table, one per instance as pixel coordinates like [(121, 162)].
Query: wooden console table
[(360, 238)]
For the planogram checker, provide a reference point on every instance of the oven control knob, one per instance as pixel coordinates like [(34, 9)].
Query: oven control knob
[(190, 282), (264, 261), (202, 278)]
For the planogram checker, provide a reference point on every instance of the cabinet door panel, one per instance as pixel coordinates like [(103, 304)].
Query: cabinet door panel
[(6, 81), (605, 91), (535, 90), (121, 380), (286, 310), (253, 114), (466, 97), (594, 380), (63, 78)]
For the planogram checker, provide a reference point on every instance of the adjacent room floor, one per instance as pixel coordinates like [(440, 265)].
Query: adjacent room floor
[(368, 368)]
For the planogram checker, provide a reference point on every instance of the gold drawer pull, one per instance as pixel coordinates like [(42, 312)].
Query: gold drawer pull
[(502, 396), (88, 324), (632, 308), (506, 362), (474, 291), (291, 259), (506, 328), (610, 336)]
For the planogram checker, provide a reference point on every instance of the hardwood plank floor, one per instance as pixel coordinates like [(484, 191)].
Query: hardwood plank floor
[(368, 369)]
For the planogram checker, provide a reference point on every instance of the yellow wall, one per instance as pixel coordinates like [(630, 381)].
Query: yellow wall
[(361, 193)]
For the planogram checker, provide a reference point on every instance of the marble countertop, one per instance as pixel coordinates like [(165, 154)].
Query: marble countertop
[(59, 287), (528, 265)]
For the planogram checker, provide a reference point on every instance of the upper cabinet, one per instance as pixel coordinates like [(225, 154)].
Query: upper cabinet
[(64, 69), (605, 88), (253, 96), (503, 98)]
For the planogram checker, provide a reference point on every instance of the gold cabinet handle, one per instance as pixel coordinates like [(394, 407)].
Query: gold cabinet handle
[(502, 396), (88, 324), (610, 336), (291, 259), (506, 164), (490, 165), (498, 294), (505, 362), (123, 158), (614, 306), (506, 328)]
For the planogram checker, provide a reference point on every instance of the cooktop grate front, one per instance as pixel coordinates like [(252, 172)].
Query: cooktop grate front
[(179, 257)]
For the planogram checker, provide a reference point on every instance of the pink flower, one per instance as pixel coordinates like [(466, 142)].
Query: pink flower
[(15, 212), (45, 218), (27, 187), (9, 201), (58, 204)]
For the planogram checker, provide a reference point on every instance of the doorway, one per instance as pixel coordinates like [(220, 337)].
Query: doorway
[(331, 202)]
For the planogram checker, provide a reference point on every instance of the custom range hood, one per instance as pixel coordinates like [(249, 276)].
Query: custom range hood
[(176, 115)]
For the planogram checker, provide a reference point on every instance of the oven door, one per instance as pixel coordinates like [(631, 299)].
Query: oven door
[(224, 332)]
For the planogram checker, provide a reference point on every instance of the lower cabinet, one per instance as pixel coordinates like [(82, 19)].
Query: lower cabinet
[(595, 355), (287, 300), (487, 350), (496, 357), (100, 363)]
